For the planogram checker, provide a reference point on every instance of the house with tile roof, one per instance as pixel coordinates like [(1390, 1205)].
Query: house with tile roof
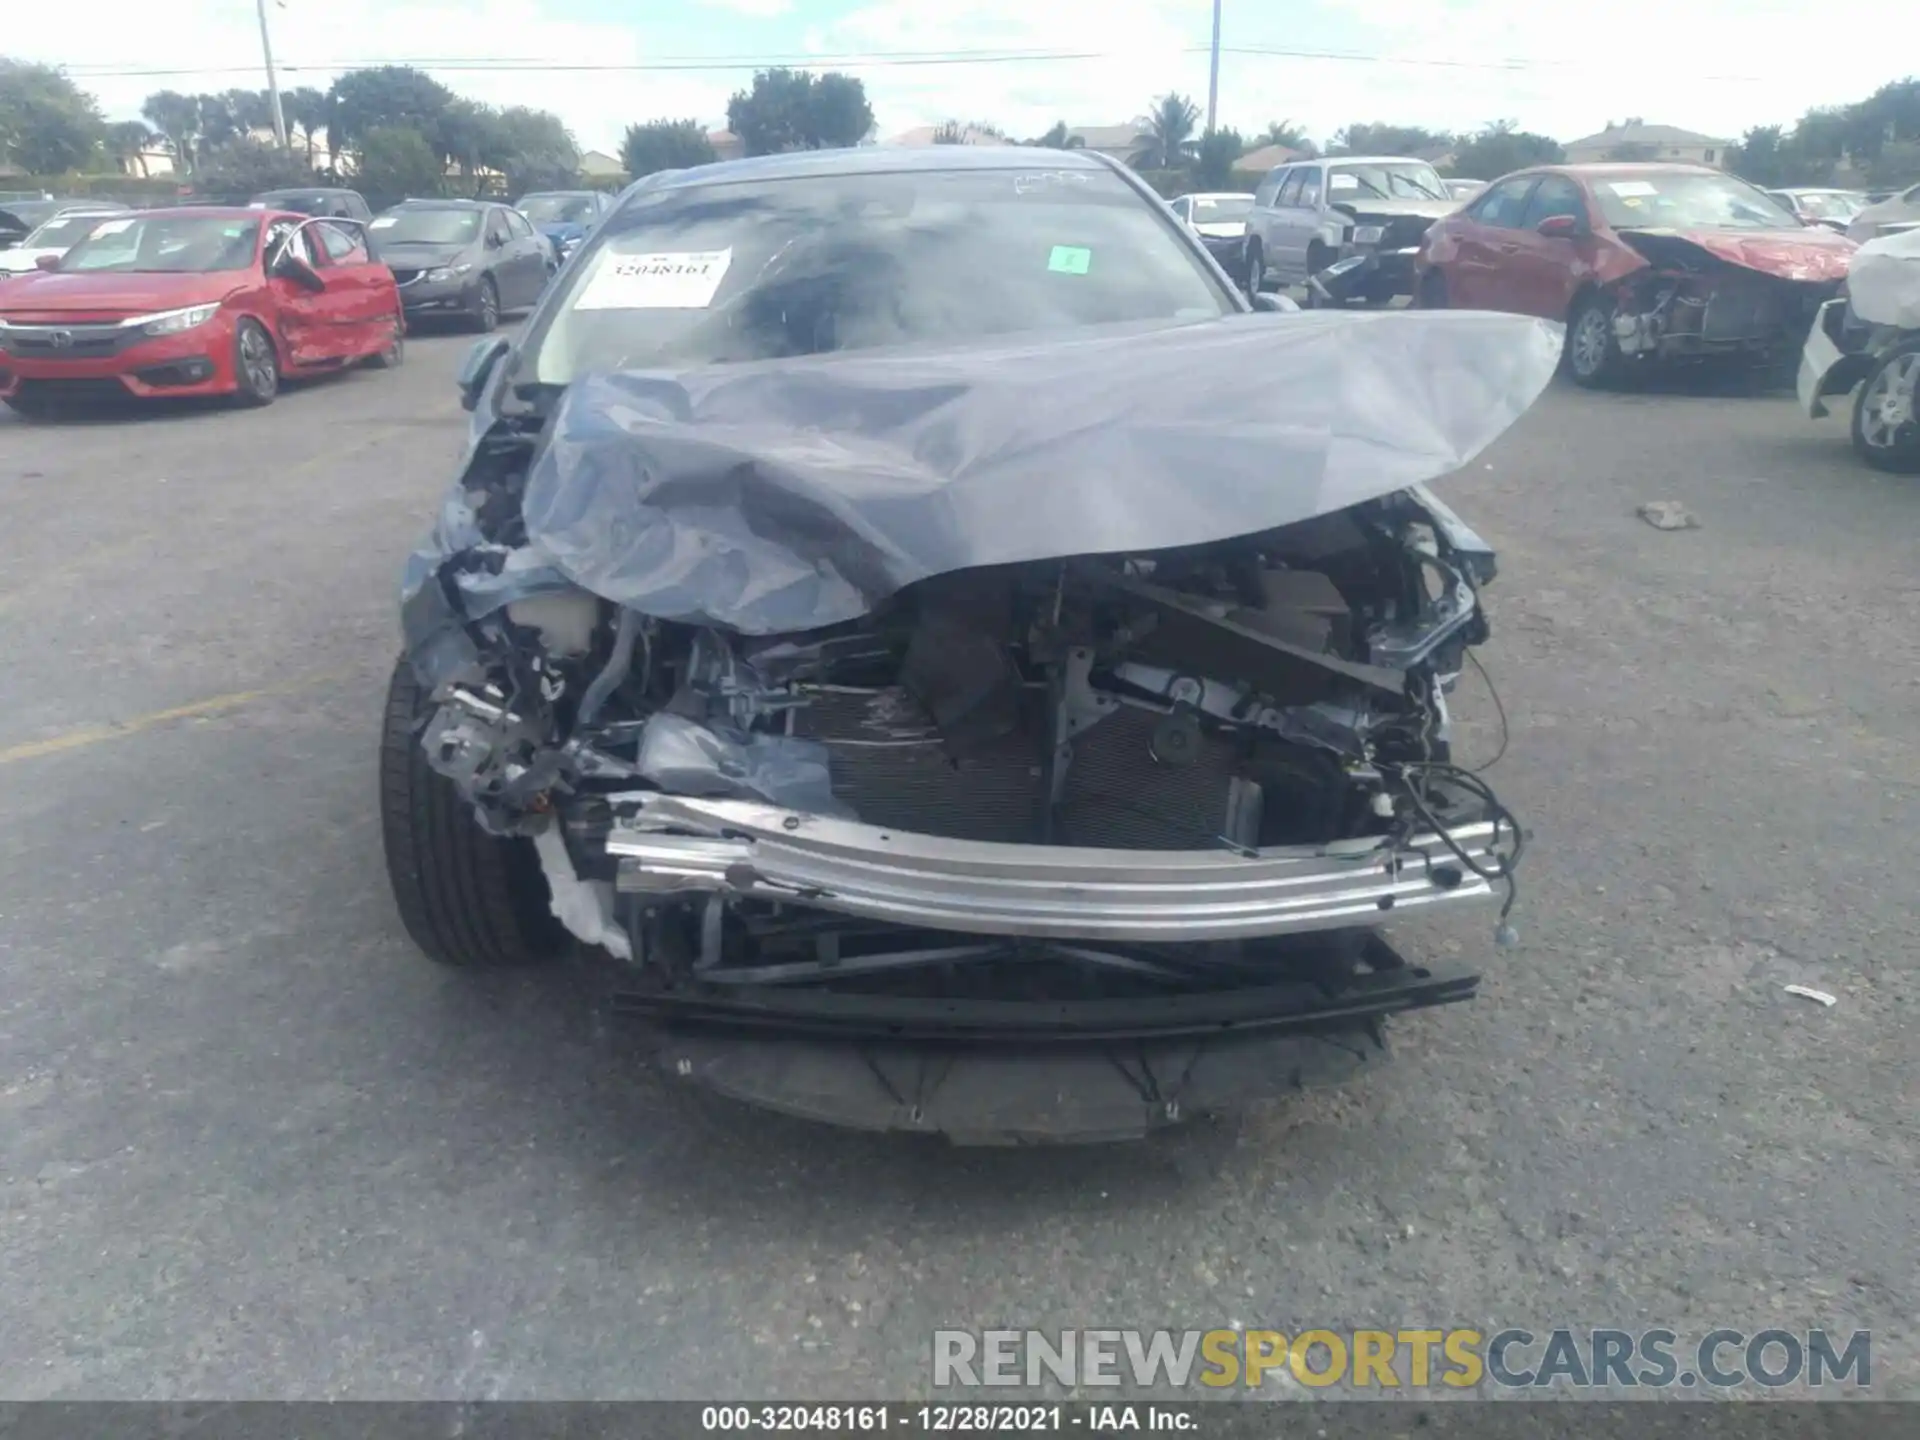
[(1636, 140)]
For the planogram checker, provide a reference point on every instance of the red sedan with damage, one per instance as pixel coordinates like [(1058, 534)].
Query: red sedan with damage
[(1642, 262), (196, 301)]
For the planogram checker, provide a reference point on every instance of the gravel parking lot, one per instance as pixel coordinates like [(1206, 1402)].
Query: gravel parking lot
[(251, 1144)]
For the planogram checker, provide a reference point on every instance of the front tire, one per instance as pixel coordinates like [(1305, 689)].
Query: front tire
[(1432, 294), (256, 365), (1316, 262), (486, 308), (1256, 270), (470, 900), (1886, 414), (1593, 352)]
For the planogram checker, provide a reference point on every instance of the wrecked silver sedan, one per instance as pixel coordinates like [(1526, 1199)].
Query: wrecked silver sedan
[(969, 672)]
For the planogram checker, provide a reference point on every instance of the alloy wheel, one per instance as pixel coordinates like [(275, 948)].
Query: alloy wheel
[(1590, 342), (259, 370), (1887, 407)]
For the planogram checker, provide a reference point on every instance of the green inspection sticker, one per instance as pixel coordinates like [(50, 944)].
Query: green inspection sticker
[(1070, 260)]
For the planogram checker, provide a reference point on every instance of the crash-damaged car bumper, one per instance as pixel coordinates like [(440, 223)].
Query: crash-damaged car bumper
[(1708, 295), (1374, 261), (1867, 343), (1016, 741)]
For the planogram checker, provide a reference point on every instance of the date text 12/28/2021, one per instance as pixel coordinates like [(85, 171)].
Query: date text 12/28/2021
[(950, 1419)]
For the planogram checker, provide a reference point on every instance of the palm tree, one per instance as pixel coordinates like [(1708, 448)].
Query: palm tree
[(128, 140), (1284, 133), (1166, 139), (177, 118), (305, 110), (1060, 138)]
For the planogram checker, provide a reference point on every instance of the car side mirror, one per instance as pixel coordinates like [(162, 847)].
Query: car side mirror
[(477, 368), (1560, 227), (292, 268), (46, 262)]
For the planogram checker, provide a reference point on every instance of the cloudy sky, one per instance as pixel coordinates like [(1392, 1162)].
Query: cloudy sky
[(1716, 66)]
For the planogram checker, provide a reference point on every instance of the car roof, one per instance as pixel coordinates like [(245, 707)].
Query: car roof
[(535, 194), (431, 202), (1216, 195), (1626, 167), (214, 212), (878, 160), (307, 190), (1365, 160)]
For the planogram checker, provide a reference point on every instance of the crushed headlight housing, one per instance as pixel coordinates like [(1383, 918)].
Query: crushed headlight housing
[(172, 322)]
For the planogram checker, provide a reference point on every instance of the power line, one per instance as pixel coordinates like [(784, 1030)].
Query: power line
[(876, 59)]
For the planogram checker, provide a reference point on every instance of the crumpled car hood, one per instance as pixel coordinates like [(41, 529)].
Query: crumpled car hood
[(1814, 254), (1884, 286), (788, 495)]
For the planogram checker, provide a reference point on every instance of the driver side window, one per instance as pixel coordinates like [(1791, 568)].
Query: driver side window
[(1290, 192), (1504, 204), (498, 231), (286, 235)]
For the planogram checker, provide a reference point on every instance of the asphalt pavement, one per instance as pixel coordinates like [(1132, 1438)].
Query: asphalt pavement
[(253, 1145)]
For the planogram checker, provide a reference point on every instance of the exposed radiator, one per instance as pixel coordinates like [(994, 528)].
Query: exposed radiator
[(1116, 793)]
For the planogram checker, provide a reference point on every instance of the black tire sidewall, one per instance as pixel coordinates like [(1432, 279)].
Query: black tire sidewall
[(486, 307)]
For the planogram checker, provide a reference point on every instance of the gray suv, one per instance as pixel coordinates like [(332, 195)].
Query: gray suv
[(1347, 228), (468, 260)]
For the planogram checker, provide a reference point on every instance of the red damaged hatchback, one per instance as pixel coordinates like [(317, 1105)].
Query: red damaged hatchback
[(1642, 262), (196, 301)]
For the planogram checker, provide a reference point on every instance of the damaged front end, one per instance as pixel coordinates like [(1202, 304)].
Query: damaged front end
[(1709, 296), (1089, 770)]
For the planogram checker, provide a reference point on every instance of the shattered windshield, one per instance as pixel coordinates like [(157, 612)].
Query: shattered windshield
[(1688, 200), (557, 209), (166, 245), (804, 266), (1386, 182)]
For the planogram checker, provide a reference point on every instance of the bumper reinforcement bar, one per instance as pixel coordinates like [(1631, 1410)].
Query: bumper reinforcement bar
[(669, 844)]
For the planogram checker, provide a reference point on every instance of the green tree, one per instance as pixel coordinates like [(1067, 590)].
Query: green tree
[(796, 110), (949, 132), (1059, 138), (534, 150), (469, 135), (1286, 134), (130, 140), (1380, 139), (665, 145), (245, 166), (1764, 156), (1166, 138), (1213, 166), (1896, 166), (48, 125), (1500, 148), (384, 97), (305, 111), (396, 163), (177, 118)]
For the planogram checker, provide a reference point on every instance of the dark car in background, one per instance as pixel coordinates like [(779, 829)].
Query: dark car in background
[(565, 217), (462, 260), (322, 200), (1642, 262)]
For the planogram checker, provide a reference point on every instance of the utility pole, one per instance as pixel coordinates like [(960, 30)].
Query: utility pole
[(1213, 73), (273, 85)]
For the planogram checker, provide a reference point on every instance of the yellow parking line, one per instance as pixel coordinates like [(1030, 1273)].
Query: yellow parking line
[(86, 735)]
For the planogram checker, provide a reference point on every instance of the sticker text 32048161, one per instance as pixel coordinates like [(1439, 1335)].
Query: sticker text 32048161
[(682, 280)]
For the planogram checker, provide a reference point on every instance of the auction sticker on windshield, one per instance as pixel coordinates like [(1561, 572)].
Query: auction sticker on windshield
[(1070, 259), (112, 227), (1632, 187), (685, 280)]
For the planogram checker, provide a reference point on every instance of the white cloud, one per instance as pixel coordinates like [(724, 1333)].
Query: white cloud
[(1717, 66)]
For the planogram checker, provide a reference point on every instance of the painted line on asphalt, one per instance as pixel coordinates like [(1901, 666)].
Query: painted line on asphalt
[(85, 735)]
